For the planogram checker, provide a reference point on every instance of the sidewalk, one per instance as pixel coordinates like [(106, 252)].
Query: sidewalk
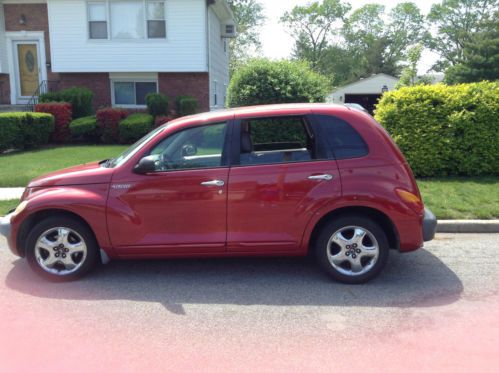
[(444, 226)]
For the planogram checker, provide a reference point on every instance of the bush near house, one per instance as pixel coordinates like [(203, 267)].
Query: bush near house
[(187, 105), (81, 99), (263, 81), (157, 104), (24, 130), (445, 130), (84, 129), (159, 121), (108, 120), (135, 126), (62, 113)]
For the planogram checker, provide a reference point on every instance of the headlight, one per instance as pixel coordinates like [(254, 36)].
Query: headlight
[(20, 208)]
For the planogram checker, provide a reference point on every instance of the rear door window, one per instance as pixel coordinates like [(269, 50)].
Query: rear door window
[(338, 139)]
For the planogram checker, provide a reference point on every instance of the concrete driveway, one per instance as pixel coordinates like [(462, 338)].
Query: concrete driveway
[(437, 308)]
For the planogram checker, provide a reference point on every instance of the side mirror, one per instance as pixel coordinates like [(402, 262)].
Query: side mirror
[(189, 150), (145, 165)]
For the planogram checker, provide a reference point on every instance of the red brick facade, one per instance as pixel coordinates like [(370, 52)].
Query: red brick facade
[(189, 84), (36, 15)]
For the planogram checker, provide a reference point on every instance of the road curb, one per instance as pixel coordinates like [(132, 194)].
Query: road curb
[(468, 226)]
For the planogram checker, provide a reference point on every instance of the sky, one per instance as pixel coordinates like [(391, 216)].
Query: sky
[(277, 43)]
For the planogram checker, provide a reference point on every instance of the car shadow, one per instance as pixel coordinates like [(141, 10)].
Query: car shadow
[(417, 279)]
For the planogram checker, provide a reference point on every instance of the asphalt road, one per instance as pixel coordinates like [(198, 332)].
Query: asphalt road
[(436, 309)]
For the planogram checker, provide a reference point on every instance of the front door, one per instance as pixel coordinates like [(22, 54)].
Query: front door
[(28, 73), (182, 206)]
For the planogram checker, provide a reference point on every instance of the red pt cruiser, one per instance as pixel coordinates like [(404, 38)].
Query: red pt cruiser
[(269, 180)]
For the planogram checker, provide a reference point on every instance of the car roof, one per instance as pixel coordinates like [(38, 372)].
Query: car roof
[(259, 110)]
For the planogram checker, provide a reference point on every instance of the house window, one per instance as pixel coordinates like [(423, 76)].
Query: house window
[(156, 24), (127, 19), (132, 93), (97, 20)]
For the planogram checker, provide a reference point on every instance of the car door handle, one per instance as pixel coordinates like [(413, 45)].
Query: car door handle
[(326, 177), (218, 183)]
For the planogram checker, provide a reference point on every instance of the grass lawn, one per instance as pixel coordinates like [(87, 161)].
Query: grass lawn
[(17, 169), (6, 206), (462, 198)]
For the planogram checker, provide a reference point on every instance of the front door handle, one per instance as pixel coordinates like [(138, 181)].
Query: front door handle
[(326, 177), (218, 183)]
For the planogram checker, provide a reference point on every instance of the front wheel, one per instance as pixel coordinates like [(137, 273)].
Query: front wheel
[(352, 249), (61, 249)]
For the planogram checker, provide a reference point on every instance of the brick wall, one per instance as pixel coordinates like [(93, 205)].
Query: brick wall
[(190, 84), (4, 89), (97, 82)]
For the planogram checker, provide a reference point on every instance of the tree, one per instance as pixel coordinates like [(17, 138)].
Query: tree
[(456, 21), (381, 45), (409, 75), (249, 18), (480, 59), (262, 81), (314, 25)]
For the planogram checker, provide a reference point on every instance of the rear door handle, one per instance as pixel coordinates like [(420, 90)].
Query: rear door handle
[(326, 177), (218, 183)]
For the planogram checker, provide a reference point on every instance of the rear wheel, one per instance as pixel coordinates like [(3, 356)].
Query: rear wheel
[(61, 249), (352, 249)]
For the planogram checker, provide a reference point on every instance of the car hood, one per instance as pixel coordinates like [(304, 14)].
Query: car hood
[(89, 173)]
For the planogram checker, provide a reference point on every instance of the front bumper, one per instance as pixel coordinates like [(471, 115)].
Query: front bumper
[(5, 226), (429, 225)]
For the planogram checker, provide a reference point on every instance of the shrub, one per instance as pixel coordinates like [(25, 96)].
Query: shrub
[(445, 130), (187, 105), (81, 99), (159, 121), (62, 117), (84, 129), (263, 81), (108, 120), (135, 126), (24, 130), (157, 104)]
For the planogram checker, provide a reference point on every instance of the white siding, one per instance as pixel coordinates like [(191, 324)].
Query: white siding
[(4, 68), (371, 85), (184, 49), (219, 61)]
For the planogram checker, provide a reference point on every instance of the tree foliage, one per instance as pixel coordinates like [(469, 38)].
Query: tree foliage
[(263, 81), (249, 18)]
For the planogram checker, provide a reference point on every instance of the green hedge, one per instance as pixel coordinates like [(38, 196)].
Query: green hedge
[(80, 98), (187, 105), (24, 130), (157, 104), (445, 130), (84, 129), (135, 126), (263, 81)]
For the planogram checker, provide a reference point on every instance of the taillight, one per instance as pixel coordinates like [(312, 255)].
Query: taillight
[(410, 199)]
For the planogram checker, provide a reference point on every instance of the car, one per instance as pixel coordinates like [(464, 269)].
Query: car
[(276, 180), (356, 106)]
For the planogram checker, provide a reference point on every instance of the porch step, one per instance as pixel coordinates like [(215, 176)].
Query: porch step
[(11, 108)]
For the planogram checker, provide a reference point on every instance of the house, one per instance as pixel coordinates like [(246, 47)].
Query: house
[(365, 92), (120, 49)]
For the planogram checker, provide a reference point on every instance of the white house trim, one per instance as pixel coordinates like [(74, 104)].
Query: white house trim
[(12, 37)]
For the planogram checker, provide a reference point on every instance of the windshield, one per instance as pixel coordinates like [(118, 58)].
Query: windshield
[(132, 150)]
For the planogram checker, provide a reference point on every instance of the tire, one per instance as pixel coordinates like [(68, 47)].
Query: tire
[(61, 248), (340, 248)]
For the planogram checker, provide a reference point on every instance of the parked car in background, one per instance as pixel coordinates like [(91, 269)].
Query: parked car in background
[(281, 180)]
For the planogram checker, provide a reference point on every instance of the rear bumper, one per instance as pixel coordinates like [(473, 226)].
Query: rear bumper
[(429, 225)]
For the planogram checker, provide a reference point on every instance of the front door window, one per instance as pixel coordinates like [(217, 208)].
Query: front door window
[(29, 75)]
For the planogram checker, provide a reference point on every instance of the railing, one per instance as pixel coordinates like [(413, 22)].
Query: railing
[(42, 88)]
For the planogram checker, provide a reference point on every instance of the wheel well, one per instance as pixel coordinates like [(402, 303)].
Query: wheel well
[(38, 216), (376, 215)]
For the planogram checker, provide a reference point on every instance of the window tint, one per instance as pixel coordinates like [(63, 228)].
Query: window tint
[(339, 140), (275, 140), (198, 147)]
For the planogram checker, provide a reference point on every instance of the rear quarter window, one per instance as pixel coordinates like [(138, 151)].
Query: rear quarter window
[(338, 139)]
